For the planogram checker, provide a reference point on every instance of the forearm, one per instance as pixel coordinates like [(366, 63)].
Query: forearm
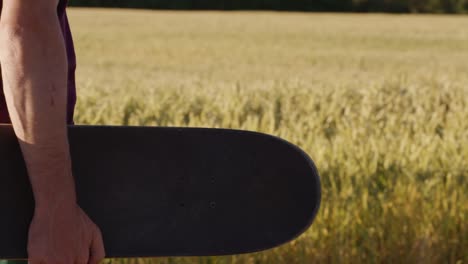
[(34, 71)]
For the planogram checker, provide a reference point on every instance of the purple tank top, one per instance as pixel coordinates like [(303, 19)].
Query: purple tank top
[(62, 16)]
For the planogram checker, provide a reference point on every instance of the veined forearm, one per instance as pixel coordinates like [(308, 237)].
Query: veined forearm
[(34, 72)]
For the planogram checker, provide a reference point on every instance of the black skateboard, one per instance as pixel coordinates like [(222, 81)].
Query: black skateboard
[(172, 191)]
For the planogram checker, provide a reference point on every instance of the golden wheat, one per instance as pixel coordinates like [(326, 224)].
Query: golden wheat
[(380, 102)]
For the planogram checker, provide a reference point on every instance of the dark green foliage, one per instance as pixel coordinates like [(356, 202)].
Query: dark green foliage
[(298, 5), (394, 6)]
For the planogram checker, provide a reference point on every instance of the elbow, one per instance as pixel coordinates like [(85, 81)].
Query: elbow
[(17, 20), (27, 18), (27, 14), (7, 32), (13, 29), (10, 37), (11, 41), (15, 38)]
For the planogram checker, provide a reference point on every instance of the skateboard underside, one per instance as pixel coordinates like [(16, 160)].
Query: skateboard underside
[(172, 191)]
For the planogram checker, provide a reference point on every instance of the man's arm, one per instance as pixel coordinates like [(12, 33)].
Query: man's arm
[(34, 72), (34, 69)]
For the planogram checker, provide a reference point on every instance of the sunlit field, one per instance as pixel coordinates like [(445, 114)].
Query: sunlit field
[(380, 102)]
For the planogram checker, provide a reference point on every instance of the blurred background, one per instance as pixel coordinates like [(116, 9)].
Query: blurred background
[(399, 6), (378, 100)]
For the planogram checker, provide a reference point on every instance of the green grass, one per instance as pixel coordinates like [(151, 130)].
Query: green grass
[(380, 102)]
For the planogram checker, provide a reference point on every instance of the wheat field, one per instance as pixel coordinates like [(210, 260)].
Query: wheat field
[(380, 102)]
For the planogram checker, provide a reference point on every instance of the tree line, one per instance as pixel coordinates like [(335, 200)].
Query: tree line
[(393, 6)]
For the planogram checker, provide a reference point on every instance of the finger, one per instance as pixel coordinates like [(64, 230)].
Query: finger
[(80, 256), (84, 252), (97, 251)]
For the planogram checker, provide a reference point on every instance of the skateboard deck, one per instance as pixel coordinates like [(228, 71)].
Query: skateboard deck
[(157, 191)]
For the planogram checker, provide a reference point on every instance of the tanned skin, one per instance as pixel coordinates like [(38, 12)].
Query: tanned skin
[(34, 72)]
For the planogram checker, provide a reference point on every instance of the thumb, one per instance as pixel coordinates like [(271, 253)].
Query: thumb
[(97, 251)]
